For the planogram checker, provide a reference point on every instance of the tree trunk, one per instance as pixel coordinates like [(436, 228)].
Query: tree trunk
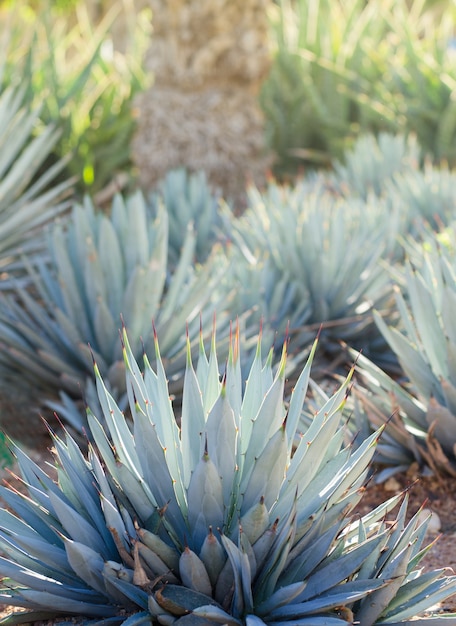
[(208, 59)]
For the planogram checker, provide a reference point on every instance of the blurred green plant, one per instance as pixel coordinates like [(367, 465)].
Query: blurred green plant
[(29, 195), (85, 86), (6, 458), (189, 200), (290, 249), (343, 68)]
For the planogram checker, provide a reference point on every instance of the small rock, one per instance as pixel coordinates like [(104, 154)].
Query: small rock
[(391, 485), (434, 524)]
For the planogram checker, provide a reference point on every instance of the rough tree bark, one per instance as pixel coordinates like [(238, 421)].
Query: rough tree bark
[(208, 59)]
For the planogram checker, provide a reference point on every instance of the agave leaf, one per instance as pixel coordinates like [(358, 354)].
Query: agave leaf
[(85, 496), (43, 585), (254, 620), (66, 605), (193, 573), (213, 556), (192, 420), (121, 435), (217, 615), (427, 323), (54, 568), (329, 574), (437, 591), (111, 261), (168, 554), (51, 558), (143, 617), (276, 558), (180, 273), (267, 421), (267, 474), (240, 601), (233, 378), (315, 620), (298, 396), (138, 245), (169, 434), (34, 516), (86, 563), (308, 457), (212, 385), (341, 596), (255, 521), (303, 562), (205, 500), (179, 600), (394, 573), (26, 617), (96, 288), (222, 436), (158, 568), (123, 592), (410, 358), (137, 491), (105, 329), (153, 466), (282, 597), (315, 494), (77, 526), (73, 305), (135, 303), (443, 424), (253, 396), (356, 467), (408, 592)]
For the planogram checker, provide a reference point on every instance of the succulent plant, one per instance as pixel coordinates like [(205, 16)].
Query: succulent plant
[(29, 197), (189, 199), (301, 235), (103, 267), (425, 344), (218, 518), (391, 168), (373, 161)]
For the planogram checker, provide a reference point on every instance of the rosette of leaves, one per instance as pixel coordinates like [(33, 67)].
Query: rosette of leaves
[(326, 250), (216, 519), (425, 345), (102, 267), (391, 167), (373, 161), (189, 200), (30, 196)]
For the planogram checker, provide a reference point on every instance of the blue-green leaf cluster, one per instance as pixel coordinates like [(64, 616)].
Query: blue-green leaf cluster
[(221, 516)]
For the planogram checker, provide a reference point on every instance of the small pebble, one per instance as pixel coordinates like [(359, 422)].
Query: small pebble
[(391, 485), (434, 524)]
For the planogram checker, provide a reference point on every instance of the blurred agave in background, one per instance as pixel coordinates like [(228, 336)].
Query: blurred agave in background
[(103, 267)]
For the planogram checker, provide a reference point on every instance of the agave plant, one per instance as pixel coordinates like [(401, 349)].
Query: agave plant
[(425, 344), (373, 161), (217, 519), (412, 193), (74, 70), (302, 234), (189, 199), (28, 197), (103, 267)]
